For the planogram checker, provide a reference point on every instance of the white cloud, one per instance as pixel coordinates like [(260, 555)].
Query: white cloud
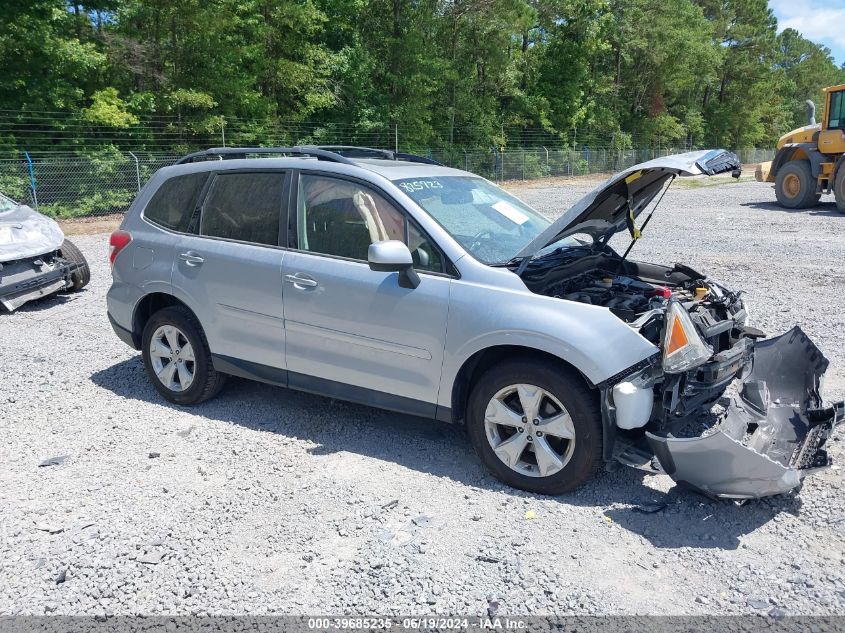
[(826, 24), (816, 20)]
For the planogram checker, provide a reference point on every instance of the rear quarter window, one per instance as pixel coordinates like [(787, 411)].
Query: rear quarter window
[(172, 205)]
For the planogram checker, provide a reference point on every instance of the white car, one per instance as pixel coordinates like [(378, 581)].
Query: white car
[(35, 258)]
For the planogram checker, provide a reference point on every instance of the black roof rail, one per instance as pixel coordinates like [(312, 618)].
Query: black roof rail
[(354, 151), (333, 153), (241, 152)]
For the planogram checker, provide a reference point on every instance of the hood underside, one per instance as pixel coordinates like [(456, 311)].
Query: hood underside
[(26, 233), (621, 198)]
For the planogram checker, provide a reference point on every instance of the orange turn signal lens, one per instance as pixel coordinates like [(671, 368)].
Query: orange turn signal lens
[(677, 336), (683, 347)]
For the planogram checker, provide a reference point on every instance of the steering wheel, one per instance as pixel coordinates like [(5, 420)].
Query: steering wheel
[(476, 239)]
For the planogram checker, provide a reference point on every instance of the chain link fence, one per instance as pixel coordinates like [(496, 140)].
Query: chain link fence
[(106, 183)]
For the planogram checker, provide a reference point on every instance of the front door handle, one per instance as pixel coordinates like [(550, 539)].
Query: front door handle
[(191, 258), (301, 281)]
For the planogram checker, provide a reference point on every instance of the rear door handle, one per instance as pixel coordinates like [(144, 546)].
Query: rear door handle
[(300, 280), (191, 258)]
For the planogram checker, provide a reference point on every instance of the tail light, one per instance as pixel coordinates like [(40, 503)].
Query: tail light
[(683, 348), (117, 242)]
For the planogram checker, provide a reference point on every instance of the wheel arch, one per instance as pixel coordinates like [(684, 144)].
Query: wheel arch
[(474, 366), (799, 151), (149, 305)]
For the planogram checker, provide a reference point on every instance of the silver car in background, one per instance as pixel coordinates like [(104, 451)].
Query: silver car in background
[(393, 281), (35, 258)]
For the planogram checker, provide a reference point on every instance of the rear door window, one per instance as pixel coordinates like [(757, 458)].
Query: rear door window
[(174, 202), (245, 207)]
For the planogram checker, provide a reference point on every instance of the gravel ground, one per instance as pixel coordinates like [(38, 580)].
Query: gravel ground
[(269, 501)]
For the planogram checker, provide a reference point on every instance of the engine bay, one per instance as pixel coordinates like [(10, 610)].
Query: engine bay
[(638, 293), (626, 296)]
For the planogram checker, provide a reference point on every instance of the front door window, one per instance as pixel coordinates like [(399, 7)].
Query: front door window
[(342, 218)]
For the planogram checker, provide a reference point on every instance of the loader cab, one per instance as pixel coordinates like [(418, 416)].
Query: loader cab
[(834, 108), (831, 139)]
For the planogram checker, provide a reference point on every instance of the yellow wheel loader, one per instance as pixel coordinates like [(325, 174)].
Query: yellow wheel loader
[(810, 161)]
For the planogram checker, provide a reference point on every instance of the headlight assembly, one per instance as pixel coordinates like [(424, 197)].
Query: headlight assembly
[(683, 348)]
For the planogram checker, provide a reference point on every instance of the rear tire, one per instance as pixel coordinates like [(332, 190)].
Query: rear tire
[(82, 275), (839, 188), (795, 186), (562, 389), (178, 330)]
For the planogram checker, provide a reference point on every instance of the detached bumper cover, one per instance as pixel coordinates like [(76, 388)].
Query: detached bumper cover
[(771, 436)]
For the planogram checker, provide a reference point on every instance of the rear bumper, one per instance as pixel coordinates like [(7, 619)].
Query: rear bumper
[(771, 435), (122, 333), (29, 279)]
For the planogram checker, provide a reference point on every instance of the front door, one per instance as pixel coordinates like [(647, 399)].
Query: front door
[(351, 331), (230, 274)]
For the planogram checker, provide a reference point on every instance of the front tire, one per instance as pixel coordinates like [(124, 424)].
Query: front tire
[(795, 187), (536, 425), (177, 358), (839, 188), (82, 275)]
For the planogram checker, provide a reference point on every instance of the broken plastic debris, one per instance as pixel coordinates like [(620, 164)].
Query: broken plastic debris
[(152, 557), (422, 521), (649, 508), (487, 559), (530, 514), (606, 518), (54, 461)]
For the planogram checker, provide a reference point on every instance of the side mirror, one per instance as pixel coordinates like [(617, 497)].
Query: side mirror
[(392, 256)]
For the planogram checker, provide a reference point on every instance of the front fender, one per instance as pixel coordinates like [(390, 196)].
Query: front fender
[(590, 338)]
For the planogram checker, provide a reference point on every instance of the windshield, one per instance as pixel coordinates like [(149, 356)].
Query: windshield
[(7, 204), (490, 224)]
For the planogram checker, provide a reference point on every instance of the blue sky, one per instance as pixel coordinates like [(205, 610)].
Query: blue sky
[(822, 21)]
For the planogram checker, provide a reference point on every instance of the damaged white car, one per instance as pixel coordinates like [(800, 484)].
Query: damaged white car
[(390, 280), (35, 258)]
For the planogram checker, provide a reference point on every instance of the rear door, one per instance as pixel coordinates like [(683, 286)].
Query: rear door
[(230, 272), (351, 331)]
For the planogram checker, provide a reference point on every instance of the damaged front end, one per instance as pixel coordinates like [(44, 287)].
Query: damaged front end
[(771, 433), (761, 440), (669, 413), (31, 261), (717, 408), (34, 277)]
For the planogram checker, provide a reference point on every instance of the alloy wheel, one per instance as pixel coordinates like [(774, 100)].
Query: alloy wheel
[(529, 430), (172, 358)]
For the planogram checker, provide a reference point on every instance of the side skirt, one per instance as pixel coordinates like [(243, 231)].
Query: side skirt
[(329, 388)]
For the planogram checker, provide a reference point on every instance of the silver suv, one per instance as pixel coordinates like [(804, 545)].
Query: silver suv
[(390, 280)]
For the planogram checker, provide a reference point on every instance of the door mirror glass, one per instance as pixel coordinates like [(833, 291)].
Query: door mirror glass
[(393, 256)]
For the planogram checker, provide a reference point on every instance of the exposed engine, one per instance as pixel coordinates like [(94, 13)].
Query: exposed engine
[(642, 304), (626, 296)]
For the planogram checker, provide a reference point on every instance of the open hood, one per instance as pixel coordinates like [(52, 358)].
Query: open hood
[(620, 199)]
